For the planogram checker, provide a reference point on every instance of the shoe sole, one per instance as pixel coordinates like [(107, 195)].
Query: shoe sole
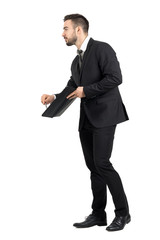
[(128, 221), (101, 224), (98, 224)]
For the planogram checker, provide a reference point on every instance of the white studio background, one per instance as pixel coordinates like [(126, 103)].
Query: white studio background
[(44, 183)]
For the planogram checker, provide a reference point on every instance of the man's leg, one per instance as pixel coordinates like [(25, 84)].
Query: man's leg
[(98, 216), (97, 183), (102, 145)]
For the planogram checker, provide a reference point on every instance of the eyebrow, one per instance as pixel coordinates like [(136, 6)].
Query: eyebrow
[(65, 28)]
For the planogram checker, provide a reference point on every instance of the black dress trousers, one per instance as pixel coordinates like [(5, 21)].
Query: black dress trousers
[(97, 146)]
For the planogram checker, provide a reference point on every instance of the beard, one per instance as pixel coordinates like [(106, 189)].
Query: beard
[(71, 41)]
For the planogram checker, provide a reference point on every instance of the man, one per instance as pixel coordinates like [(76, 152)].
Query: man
[(96, 75)]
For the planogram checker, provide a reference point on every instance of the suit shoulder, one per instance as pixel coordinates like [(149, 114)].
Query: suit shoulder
[(103, 45), (103, 49)]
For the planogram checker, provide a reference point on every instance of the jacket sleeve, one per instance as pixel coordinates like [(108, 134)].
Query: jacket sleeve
[(71, 83), (110, 70)]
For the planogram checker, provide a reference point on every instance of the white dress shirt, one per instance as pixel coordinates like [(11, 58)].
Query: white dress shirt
[(84, 44)]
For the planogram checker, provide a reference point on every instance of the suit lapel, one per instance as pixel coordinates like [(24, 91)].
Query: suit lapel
[(75, 71), (75, 66), (85, 57)]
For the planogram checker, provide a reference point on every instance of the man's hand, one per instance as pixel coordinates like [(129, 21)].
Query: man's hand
[(77, 93), (46, 99)]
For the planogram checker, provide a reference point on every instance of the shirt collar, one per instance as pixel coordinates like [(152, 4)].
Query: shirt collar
[(85, 43)]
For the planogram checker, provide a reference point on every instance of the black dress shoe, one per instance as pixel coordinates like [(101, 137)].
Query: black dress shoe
[(91, 221), (119, 223)]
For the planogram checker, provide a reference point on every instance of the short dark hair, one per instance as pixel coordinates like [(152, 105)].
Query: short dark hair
[(78, 19)]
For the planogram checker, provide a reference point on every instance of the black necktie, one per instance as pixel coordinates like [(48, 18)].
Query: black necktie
[(80, 53)]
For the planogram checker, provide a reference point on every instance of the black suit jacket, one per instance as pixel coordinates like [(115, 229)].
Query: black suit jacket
[(100, 76)]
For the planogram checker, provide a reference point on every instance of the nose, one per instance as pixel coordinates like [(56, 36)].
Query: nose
[(63, 34)]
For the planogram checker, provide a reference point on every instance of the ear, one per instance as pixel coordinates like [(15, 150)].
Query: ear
[(79, 29)]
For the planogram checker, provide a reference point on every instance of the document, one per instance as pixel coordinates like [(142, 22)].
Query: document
[(60, 104)]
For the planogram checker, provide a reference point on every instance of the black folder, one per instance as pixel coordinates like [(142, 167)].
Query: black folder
[(60, 104)]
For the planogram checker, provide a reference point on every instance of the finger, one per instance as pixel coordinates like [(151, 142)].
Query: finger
[(74, 96), (43, 98), (71, 95), (44, 101)]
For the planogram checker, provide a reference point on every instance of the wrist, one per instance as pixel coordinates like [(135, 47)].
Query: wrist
[(53, 97)]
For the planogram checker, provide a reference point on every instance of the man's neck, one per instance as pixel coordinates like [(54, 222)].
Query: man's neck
[(80, 41)]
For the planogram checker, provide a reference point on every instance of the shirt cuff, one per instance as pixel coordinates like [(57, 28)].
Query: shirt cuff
[(54, 96)]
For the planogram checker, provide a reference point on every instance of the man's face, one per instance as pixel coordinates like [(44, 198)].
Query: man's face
[(69, 33)]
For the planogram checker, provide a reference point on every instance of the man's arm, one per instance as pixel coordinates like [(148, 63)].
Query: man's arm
[(47, 99), (78, 90), (111, 72)]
